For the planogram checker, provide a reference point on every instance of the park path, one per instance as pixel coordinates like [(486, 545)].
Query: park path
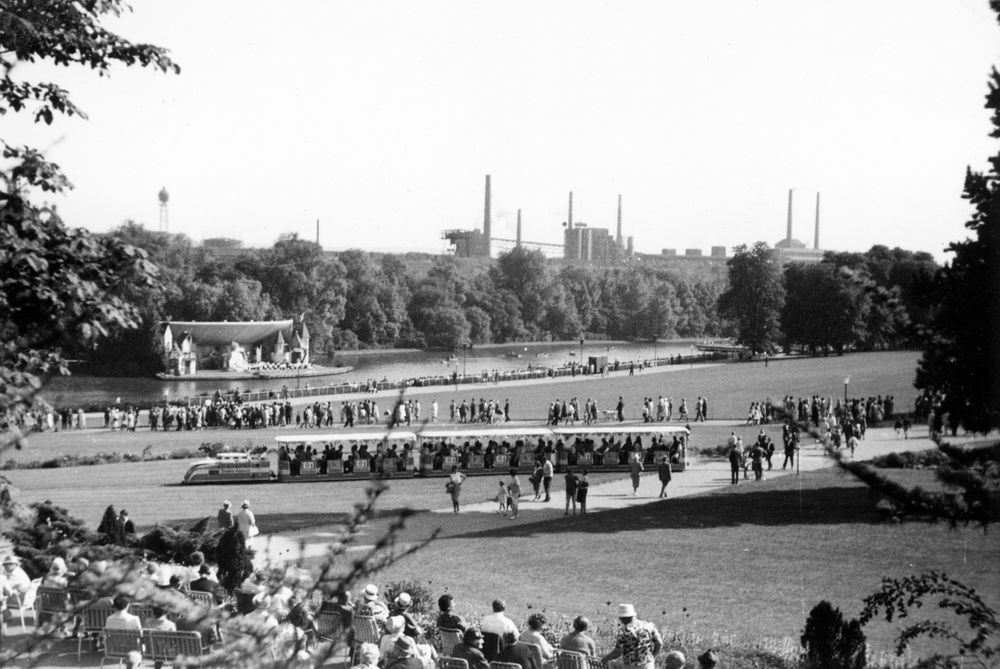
[(700, 477), (703, 476)]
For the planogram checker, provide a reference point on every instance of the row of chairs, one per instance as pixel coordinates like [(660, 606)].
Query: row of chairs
[(155, 645), (565, 659)]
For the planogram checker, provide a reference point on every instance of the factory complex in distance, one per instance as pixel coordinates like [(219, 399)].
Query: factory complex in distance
[(581, 243)]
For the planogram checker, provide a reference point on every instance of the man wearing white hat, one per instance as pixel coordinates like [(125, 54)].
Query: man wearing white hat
[(637, 642), (371, 605)]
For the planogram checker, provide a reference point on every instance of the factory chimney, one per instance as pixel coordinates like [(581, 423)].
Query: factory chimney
[(487, 223), (816, 234), (569, 222), (618, 238), (317, 232), (518, 228), (788, 236)]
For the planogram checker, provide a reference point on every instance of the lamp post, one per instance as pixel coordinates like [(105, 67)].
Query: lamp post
[(847, 381), (464, 347), (581, 351)]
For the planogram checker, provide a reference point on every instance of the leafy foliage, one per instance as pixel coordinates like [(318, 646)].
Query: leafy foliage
[(755, 296), (830, 641), (961, 357), (976, 637), (233, 559)]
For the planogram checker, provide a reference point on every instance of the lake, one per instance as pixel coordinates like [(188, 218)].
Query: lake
[(388, 364)]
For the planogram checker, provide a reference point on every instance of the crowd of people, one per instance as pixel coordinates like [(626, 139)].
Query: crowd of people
[(502, 452), (282, 608)]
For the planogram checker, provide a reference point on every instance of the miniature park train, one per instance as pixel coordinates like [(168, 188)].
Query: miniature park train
[(613, 445)]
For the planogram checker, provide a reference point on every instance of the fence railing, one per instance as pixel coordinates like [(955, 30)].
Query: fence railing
[(482, 378)]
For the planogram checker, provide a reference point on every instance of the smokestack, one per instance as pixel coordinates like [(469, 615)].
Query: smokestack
[(487, 222), (518, 228), (788, 236), (816, 234), (569, 222), (317, 232), (618, 238)]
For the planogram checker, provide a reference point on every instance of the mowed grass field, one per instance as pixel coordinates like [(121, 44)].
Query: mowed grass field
[(729, 387), (747, 562)]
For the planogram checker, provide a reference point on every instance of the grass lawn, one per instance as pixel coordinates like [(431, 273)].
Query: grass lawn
[(748, 562), (729, 387)]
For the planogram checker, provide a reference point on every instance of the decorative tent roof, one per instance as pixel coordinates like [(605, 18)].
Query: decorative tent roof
[(220, 333)]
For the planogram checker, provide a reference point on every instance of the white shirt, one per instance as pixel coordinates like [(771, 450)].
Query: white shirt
[(245, 520), (498, 623)]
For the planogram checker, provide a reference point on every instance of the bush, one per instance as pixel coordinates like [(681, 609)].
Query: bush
[(424, 601), (831, 643), (929, 458)]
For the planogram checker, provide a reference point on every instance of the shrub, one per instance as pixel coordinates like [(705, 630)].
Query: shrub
[(831, 643), (424, 601)]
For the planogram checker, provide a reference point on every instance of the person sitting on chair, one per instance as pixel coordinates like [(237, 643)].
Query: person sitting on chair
[(471, 649), (403, 655), (536, 623), (578, 640), (446, 618), (122, 618), (518, 653)]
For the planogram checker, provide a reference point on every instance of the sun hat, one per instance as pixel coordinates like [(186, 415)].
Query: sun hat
[(246, 504), (394, 624), (404, 600), (11, 559), (674, 660), (626, 611), (404, 645), (370, 592), (226, 503), (58, 566)]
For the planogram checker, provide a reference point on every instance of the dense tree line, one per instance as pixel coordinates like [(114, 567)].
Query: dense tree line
[(848, 301), (355, 299)]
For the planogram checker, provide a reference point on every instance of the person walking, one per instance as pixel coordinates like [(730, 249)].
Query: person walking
[(637, 642), (536, 480), (513, 493), (665, 473), (454, 486), (734, 464), (582, 486), (620, 409), (570, 491), (225, 516), (635, 468), (547, 473), (247, 522)]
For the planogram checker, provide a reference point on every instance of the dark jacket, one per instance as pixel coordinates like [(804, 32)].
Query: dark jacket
[(472, 655), (519, 653)]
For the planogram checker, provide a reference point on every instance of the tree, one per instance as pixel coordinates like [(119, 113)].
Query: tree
[(59, 288), (755, 296), (831, 642), (961, 351), (233, 559), (823, 308)]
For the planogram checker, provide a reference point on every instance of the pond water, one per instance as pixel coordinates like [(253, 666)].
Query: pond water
[(393, 365)]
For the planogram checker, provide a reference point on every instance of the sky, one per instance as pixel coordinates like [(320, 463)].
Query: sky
[(381, 120)]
